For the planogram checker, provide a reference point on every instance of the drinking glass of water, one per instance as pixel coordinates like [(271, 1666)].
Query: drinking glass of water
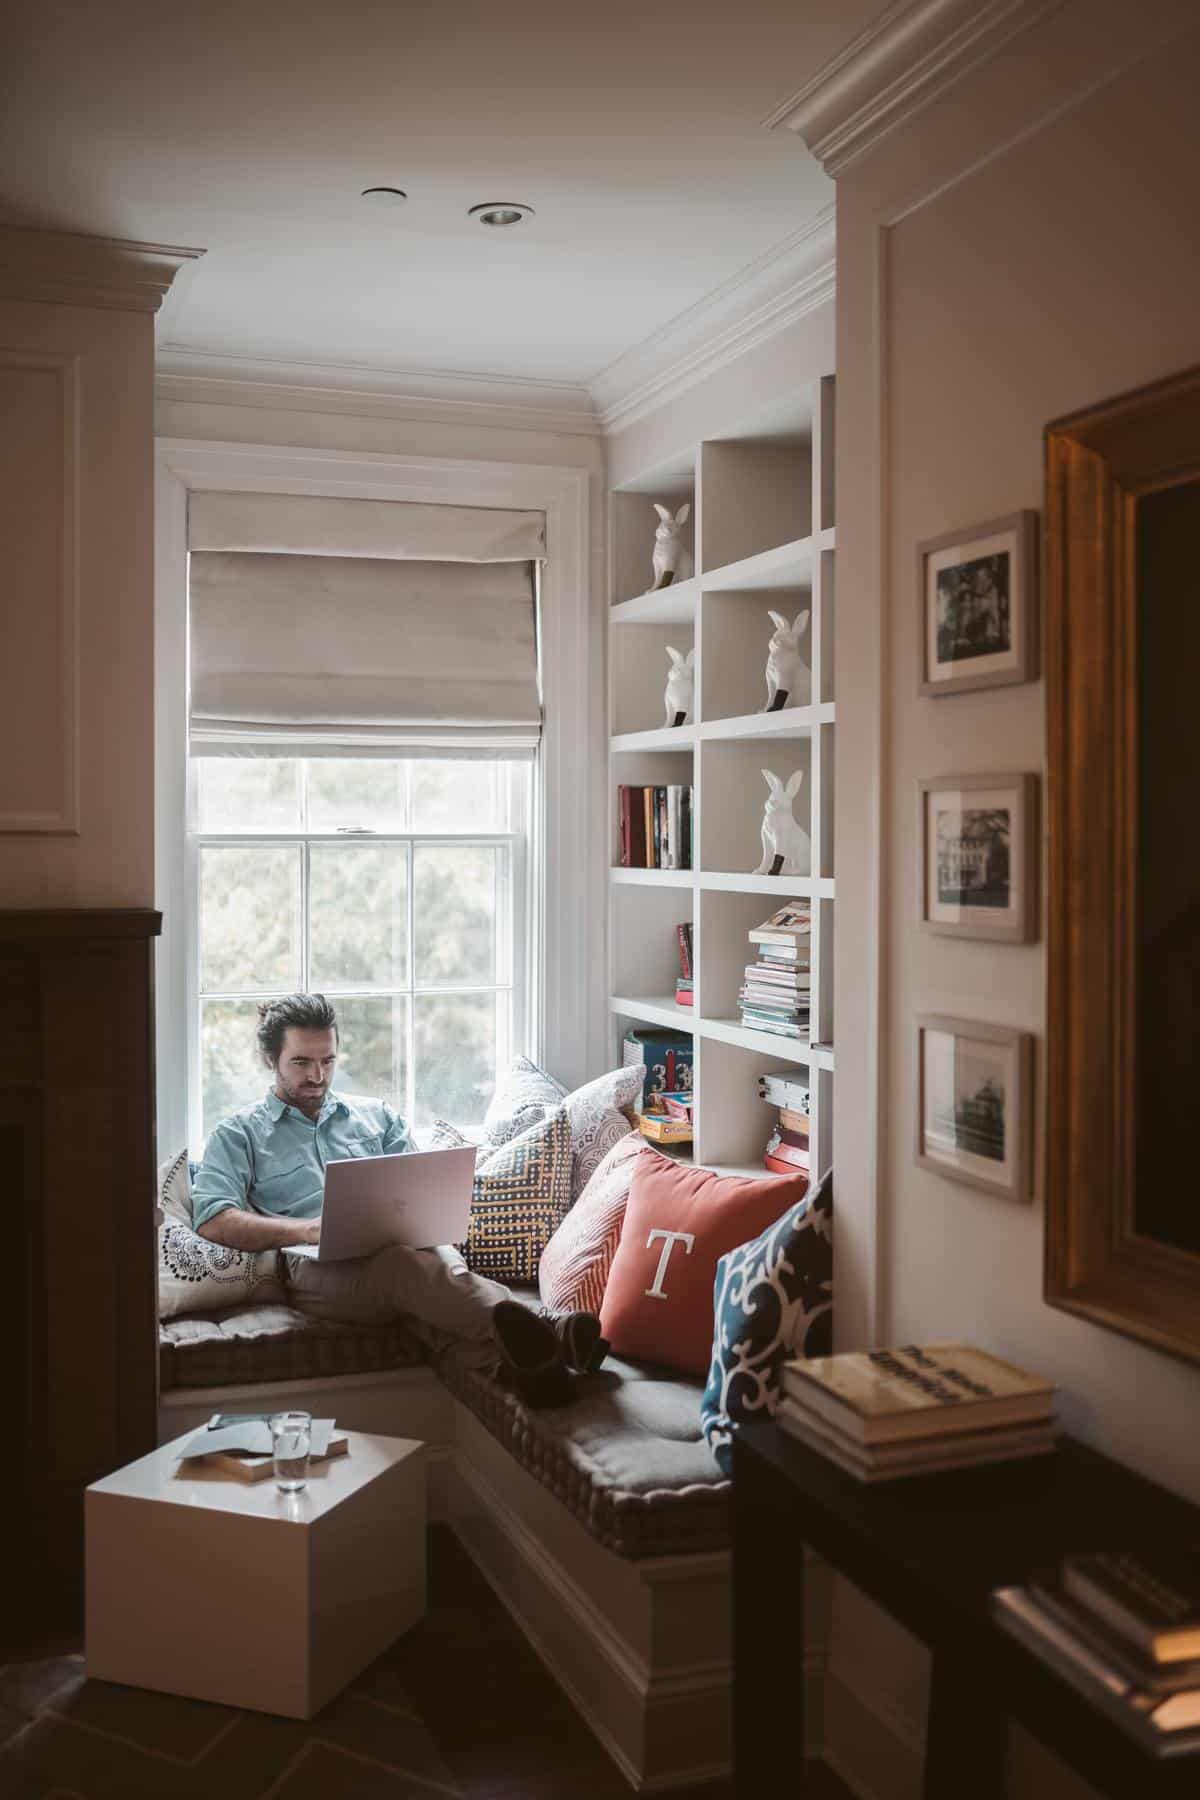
[(291, 1439)]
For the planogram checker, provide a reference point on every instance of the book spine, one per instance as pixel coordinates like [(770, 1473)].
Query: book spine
[(1118, 1592), (648, 815), (687, 827), (673, 793), (684, 934), (625, 812)]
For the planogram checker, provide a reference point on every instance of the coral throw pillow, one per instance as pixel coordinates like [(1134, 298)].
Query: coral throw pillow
[(679, 1223), (573, 1272)]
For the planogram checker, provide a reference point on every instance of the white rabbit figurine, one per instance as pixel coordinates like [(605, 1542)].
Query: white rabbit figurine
[(681, 686), (672, 559), (785, 843), (784, 661)]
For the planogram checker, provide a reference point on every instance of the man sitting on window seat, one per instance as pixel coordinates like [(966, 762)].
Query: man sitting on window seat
[(261, 1184)]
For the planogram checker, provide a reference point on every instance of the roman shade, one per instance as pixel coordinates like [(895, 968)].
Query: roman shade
[(352, 624)]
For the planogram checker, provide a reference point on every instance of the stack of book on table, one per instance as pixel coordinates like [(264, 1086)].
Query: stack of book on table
[(656, 827), (239, 1444), (885, 1414), (685, 984), (1123, 1627), (775, 990), (787, 1151)]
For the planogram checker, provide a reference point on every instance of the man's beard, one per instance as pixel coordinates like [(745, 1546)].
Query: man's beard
[(302, 1098)]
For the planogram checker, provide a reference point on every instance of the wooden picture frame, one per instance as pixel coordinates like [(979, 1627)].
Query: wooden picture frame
[(974, 1104), (977, 606), (990, 864), (1103, 467)]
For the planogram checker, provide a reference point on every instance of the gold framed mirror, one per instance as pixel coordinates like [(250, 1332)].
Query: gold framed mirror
[(1122, 613)]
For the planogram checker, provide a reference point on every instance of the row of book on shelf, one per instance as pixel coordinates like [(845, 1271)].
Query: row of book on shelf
[(1121, 1626), (655, 826)]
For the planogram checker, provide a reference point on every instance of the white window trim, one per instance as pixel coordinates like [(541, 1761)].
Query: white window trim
[(568, 1029)]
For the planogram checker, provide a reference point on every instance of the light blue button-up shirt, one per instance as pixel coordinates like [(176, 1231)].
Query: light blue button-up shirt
[(270, 1158)]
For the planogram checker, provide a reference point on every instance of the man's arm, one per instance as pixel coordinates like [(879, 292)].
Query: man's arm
[(253, 1231), (395, 1134), (220, 1205)]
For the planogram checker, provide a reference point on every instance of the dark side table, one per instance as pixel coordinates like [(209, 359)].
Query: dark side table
[(930, 1551)]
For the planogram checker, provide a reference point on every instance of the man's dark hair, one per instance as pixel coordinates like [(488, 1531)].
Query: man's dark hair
[(309, 1012)]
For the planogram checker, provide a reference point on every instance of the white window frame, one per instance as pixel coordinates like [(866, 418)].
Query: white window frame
[(568, 1027), (519, 928)]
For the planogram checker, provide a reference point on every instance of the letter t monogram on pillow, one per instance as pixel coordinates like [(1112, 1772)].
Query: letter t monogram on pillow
[(657, 1291)]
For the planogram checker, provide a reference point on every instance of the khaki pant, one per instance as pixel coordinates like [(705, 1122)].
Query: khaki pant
[(435, 1292)]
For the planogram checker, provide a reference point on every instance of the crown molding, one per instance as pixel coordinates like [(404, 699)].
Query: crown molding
[(70, 268), (792, 279), (441, 396), (902, 62), (795, 277)]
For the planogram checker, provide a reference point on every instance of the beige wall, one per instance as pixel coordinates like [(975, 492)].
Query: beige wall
[(76, 524), (1025, 246)]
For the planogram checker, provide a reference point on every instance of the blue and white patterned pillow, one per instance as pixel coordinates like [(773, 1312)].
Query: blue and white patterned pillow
[(773, 1299)]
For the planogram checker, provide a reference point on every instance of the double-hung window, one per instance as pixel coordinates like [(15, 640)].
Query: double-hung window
[(364, 719), (399, 888)]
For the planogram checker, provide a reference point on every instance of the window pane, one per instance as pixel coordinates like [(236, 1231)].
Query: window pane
[(358, 916), (356, 795), (455, 1053), (457, 898), (373, 1049), (239, 793), (232, 1074), (457, 795), (249, 918)]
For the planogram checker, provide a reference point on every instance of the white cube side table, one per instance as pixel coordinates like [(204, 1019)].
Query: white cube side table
[(203, 1585)]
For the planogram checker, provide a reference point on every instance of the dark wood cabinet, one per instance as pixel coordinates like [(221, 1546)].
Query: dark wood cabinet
[(78, 1329), (931, 1550)]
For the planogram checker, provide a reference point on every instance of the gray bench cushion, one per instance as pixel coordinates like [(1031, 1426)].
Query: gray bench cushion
[(253, 1344), (625, 1457)]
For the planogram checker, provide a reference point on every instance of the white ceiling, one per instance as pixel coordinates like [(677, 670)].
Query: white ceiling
[(249, 127)]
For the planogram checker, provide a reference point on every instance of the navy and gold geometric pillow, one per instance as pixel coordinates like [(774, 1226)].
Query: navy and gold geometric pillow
[(773, 1299), (522, 1195)]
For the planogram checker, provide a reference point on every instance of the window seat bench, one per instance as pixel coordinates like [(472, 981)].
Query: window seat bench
[(604, 1526)]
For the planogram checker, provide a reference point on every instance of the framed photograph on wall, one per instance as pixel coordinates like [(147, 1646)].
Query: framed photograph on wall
[(978, 838), (977, 606), (974, 1100)]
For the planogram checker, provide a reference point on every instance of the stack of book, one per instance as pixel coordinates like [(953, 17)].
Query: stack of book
[(656, 827), (885, 1414), (775, 991), (787, 1148), (685, 984), (1123, 1627), (667, 1118)]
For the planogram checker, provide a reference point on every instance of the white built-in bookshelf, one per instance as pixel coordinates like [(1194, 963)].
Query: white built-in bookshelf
[(763, 505)]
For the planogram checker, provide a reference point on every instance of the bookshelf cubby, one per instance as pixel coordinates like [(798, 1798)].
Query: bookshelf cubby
[(763, 518)]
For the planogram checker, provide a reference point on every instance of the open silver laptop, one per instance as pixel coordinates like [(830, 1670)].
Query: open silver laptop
[(419, 1198)]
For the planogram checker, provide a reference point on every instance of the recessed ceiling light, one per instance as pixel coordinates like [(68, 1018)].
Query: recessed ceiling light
[(384, 196), (500, 212)]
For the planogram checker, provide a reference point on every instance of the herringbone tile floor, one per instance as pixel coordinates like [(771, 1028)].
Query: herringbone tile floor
[(461, 1706)]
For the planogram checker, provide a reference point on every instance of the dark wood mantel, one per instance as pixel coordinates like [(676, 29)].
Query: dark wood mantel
[(78, 1331)]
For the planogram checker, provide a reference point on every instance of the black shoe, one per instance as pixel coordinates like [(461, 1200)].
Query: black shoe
[(531, 1355), (583, 1347)]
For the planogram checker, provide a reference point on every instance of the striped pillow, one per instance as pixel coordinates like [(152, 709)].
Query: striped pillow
[(574, 1268)]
